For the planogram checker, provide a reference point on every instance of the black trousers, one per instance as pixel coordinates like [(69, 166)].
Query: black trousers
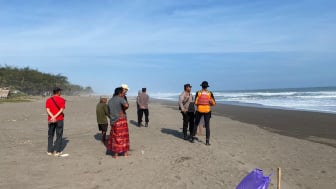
[(140, 115), (188, 120), (207, 117), (58, 127)]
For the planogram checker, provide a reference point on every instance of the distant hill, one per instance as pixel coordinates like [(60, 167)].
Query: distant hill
[(33, 82)]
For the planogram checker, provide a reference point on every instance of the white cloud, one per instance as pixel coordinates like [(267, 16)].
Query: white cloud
[(167, 27)]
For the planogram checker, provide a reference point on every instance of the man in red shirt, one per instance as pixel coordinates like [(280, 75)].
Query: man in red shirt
[(55, 106)]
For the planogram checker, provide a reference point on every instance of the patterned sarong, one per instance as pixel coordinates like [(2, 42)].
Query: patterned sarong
[(119, 138)]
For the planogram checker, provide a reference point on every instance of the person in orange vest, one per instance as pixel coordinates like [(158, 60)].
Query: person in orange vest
[(204, 100)]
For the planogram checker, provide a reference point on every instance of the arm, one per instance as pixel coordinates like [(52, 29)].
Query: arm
[(59, 112), (181, 98), (106, 111), (125, 105), (140, 103), (49, 113), (212, 100), (196, 99), (53, 117)]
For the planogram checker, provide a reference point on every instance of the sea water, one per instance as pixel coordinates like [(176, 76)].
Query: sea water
[(318, 99)]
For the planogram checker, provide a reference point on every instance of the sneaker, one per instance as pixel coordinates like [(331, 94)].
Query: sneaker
[(49, 153), (146, 124), (192, 140), (57, 154), (207, 143), (64, 155)]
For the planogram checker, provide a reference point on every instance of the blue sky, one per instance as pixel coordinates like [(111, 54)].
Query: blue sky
[(233, 44)]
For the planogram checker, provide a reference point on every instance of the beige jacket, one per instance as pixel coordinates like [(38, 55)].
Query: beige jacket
[(143, 100), (184, 101)]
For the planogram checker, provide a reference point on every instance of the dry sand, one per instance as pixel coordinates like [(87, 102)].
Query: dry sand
[(159, 157)]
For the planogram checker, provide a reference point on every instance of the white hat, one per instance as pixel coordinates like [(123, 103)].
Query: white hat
[(102, 97), (125, 86)]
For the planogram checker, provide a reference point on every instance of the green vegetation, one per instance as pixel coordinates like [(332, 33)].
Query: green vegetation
[(33, 82), (17, 98)]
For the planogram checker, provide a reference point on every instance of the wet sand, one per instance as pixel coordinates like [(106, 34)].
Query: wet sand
[(313, 126), (242, 138)]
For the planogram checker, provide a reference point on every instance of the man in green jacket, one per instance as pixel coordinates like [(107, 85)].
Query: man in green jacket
[(102, 114)]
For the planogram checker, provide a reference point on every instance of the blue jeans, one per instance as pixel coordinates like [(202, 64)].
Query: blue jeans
[(58, 127)]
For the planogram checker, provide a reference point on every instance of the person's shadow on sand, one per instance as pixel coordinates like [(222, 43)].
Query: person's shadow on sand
[(65, 142), (99, 137), (172, 132), (134, 123)]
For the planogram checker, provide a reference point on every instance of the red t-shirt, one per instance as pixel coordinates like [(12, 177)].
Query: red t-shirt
[(53, 108)]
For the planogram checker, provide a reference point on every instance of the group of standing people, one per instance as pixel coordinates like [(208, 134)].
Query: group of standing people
[(203, 101), (115, 109)]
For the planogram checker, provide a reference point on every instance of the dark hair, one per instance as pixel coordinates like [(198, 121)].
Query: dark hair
[(56, 90), (205, 84), (187, 85), (144, 89), (118, 91)]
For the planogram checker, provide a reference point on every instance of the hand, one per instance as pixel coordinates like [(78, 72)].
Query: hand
[(52, 120)]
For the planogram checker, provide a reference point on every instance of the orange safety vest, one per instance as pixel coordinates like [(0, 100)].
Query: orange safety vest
[(203, 101)]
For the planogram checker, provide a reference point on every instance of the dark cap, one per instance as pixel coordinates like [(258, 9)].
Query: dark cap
[(143, 89), (56, 90), (205, 84), (187, 85)]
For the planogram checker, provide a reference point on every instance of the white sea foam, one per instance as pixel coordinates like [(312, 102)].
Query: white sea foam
[(308, 99), (165, 96), (312, 99)]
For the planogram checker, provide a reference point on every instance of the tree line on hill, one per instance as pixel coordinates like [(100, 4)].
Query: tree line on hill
[(33, 82)]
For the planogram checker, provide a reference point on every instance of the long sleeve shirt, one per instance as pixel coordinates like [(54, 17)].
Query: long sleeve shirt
[(102, 113), (185, 99), (143, 100)]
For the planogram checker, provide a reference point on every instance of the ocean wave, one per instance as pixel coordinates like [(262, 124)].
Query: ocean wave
[(300, 99)]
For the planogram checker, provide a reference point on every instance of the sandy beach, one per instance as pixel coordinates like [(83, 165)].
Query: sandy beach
[(303, 144)]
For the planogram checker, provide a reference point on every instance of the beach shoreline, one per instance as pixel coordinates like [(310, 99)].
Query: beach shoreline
[(160, 158), (313, 126)]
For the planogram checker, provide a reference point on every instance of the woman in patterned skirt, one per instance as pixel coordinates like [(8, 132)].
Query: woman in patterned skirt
[(119, 136)]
